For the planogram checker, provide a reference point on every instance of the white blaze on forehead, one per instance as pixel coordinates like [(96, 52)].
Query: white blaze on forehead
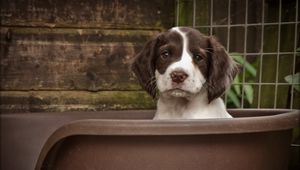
[(186, 60), (183, 37)]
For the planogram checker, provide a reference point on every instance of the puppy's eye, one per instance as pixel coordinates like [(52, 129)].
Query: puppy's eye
[(164, 55), (198, 57)]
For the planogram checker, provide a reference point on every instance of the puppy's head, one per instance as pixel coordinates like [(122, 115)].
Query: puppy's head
[(181, 62)]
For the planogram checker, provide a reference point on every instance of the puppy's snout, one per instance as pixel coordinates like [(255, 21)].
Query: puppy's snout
[(178, 76)]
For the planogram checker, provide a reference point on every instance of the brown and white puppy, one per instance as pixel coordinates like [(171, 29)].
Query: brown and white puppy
[(188, 72)]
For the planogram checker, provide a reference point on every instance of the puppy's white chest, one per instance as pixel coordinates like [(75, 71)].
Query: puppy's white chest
[(196, 109)]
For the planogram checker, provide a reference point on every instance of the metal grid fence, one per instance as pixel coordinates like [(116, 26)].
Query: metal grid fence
[(248, 27)]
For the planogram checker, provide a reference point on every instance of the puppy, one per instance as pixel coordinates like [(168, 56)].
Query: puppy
[(188, 72)]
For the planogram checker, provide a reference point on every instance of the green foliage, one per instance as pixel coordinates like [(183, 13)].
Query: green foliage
[(248, 67), (294, 80), (238, 89)]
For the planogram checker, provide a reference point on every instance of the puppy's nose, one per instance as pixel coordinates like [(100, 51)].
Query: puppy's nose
[(178, 76)]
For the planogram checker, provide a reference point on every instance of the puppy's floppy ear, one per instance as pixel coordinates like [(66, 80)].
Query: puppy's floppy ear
[(143, 67), (221, 70)]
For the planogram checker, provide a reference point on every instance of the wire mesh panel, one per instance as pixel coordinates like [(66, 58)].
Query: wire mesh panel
[(261, 35)]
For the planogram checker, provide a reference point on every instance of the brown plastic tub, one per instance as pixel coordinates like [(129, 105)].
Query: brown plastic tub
[(255, 139)]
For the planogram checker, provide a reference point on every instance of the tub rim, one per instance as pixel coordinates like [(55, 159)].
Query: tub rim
[(285, 120)]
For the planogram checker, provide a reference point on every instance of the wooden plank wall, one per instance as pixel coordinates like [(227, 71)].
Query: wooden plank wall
[(74, 55)]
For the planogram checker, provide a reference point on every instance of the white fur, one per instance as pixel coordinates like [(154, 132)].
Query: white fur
[(195, 107), (187, 100)]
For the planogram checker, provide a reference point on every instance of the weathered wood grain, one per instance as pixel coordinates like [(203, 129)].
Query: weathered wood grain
[(60, 101), (69, 59), (137, 14), (74, 55)]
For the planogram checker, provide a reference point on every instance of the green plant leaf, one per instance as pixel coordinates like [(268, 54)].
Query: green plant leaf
[(236, 86), (234, 98), (248, 89), (248, 67), (294, 80)]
